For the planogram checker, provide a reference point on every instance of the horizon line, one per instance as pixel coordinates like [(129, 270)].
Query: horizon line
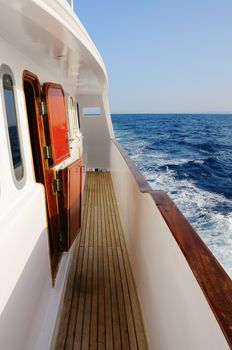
[(190, 113)]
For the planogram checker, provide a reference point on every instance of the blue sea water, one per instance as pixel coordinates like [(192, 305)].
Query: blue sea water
[(189, 157)]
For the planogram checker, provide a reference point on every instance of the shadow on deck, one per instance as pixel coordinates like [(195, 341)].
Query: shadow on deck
[(101, 309)]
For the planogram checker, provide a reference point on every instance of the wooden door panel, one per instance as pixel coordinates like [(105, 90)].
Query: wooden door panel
[(52, 210), (49, 128), (43, 173), (70, 201), (57, 121)]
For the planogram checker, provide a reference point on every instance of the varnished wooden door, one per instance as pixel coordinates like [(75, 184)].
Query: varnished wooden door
[(42, 157), (49, 140)]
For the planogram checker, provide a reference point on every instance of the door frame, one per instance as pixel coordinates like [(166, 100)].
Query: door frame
[(46, 173)]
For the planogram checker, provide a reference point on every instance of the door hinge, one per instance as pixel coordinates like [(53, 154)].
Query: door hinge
[(57, 185), (47, 152), (42, 107)]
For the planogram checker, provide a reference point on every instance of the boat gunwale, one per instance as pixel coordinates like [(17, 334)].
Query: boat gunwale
[(213, 280)]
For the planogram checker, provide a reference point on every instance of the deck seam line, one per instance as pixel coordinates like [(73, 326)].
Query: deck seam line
[(114, 278), (113, 215), (115, 263), (122, 247), (85, 210), (106, 257), (80, 281)]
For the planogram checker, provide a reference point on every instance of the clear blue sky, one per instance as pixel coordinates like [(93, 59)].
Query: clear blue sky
[(163, 55)]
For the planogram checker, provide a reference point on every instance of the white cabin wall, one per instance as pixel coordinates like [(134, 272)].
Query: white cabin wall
[(25, 269), (97, 132), (175, 312), (29, 304)]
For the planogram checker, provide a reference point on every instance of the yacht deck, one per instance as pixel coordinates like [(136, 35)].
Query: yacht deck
[(101, 309)]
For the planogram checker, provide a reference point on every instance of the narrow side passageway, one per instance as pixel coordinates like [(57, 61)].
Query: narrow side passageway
[(101, 309)]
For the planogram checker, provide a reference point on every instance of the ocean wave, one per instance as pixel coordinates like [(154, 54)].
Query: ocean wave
[(201, 209), (190, 158)]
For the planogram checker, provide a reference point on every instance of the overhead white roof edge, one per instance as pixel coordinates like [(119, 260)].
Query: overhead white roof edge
[(61, 10)]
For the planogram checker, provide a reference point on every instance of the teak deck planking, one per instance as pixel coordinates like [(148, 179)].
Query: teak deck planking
[(101, 309)]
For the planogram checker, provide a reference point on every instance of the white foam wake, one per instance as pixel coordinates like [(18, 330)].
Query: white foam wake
[(199, 207)]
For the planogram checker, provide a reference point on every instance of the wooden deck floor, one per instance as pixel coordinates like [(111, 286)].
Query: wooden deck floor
[(101, 309)]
